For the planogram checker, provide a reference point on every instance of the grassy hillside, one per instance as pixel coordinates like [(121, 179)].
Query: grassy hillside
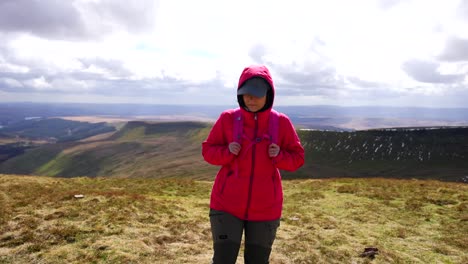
[(166, 221), (399, 153), (139, 149), (173, 149)]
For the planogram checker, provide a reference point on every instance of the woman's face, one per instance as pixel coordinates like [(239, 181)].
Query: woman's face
[(254, 103)]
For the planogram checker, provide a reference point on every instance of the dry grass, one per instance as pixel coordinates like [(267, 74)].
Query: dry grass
[(116, 119), (166, 221), (8, 140), (21, 140), (86, 146), (96, 119), (99, 137)]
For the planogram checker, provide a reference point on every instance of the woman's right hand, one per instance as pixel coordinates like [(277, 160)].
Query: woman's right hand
[(234, 148)]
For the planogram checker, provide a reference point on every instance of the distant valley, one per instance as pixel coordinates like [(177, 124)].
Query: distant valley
[(116, 147), (334, 118)]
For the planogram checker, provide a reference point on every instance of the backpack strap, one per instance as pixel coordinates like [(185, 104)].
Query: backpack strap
[(273, 126), (238, 126), (238, 122)]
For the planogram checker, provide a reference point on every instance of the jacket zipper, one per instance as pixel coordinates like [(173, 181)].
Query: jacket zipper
[(249, 197), (274, 184)]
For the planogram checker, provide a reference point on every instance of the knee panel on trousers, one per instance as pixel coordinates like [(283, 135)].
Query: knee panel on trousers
[(255, 254), (225, 252)]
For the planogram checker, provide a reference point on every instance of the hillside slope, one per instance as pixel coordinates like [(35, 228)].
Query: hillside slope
[(401, 153), (173, 149), (139, 149)]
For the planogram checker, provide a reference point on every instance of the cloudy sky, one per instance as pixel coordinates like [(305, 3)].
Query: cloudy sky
[(333, 52)]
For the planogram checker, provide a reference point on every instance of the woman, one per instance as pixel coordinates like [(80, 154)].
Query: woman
[(247, 194)]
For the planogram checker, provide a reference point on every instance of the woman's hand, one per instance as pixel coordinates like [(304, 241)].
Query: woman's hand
[(273, 150), (234, 148)]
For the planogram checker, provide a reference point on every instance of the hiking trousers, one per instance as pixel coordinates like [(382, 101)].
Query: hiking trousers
[(227, 230)]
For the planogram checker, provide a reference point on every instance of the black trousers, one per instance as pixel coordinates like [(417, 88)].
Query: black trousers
[(227, 232)]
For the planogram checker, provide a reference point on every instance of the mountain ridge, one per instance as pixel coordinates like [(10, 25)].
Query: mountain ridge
[(173, 149)]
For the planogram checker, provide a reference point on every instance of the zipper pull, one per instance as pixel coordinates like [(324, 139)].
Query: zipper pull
[(255, 116)]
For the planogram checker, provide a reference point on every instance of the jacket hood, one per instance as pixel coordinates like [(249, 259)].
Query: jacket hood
[(254, 71)]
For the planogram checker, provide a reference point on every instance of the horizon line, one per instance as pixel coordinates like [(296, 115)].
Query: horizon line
[(228, 105)]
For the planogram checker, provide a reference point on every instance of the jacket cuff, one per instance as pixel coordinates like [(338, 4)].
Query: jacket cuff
[(278, 157)]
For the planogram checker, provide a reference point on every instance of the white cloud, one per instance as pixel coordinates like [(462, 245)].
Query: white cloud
[(39, 83), (319, 52), (11, 83), (11, 68)]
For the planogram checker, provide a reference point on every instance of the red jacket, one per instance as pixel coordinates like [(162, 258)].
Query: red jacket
[(248, 185)]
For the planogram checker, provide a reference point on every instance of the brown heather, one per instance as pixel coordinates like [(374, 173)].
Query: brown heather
[(140, 220)]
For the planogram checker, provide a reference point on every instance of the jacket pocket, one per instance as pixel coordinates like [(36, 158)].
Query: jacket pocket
[(226, 178)]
